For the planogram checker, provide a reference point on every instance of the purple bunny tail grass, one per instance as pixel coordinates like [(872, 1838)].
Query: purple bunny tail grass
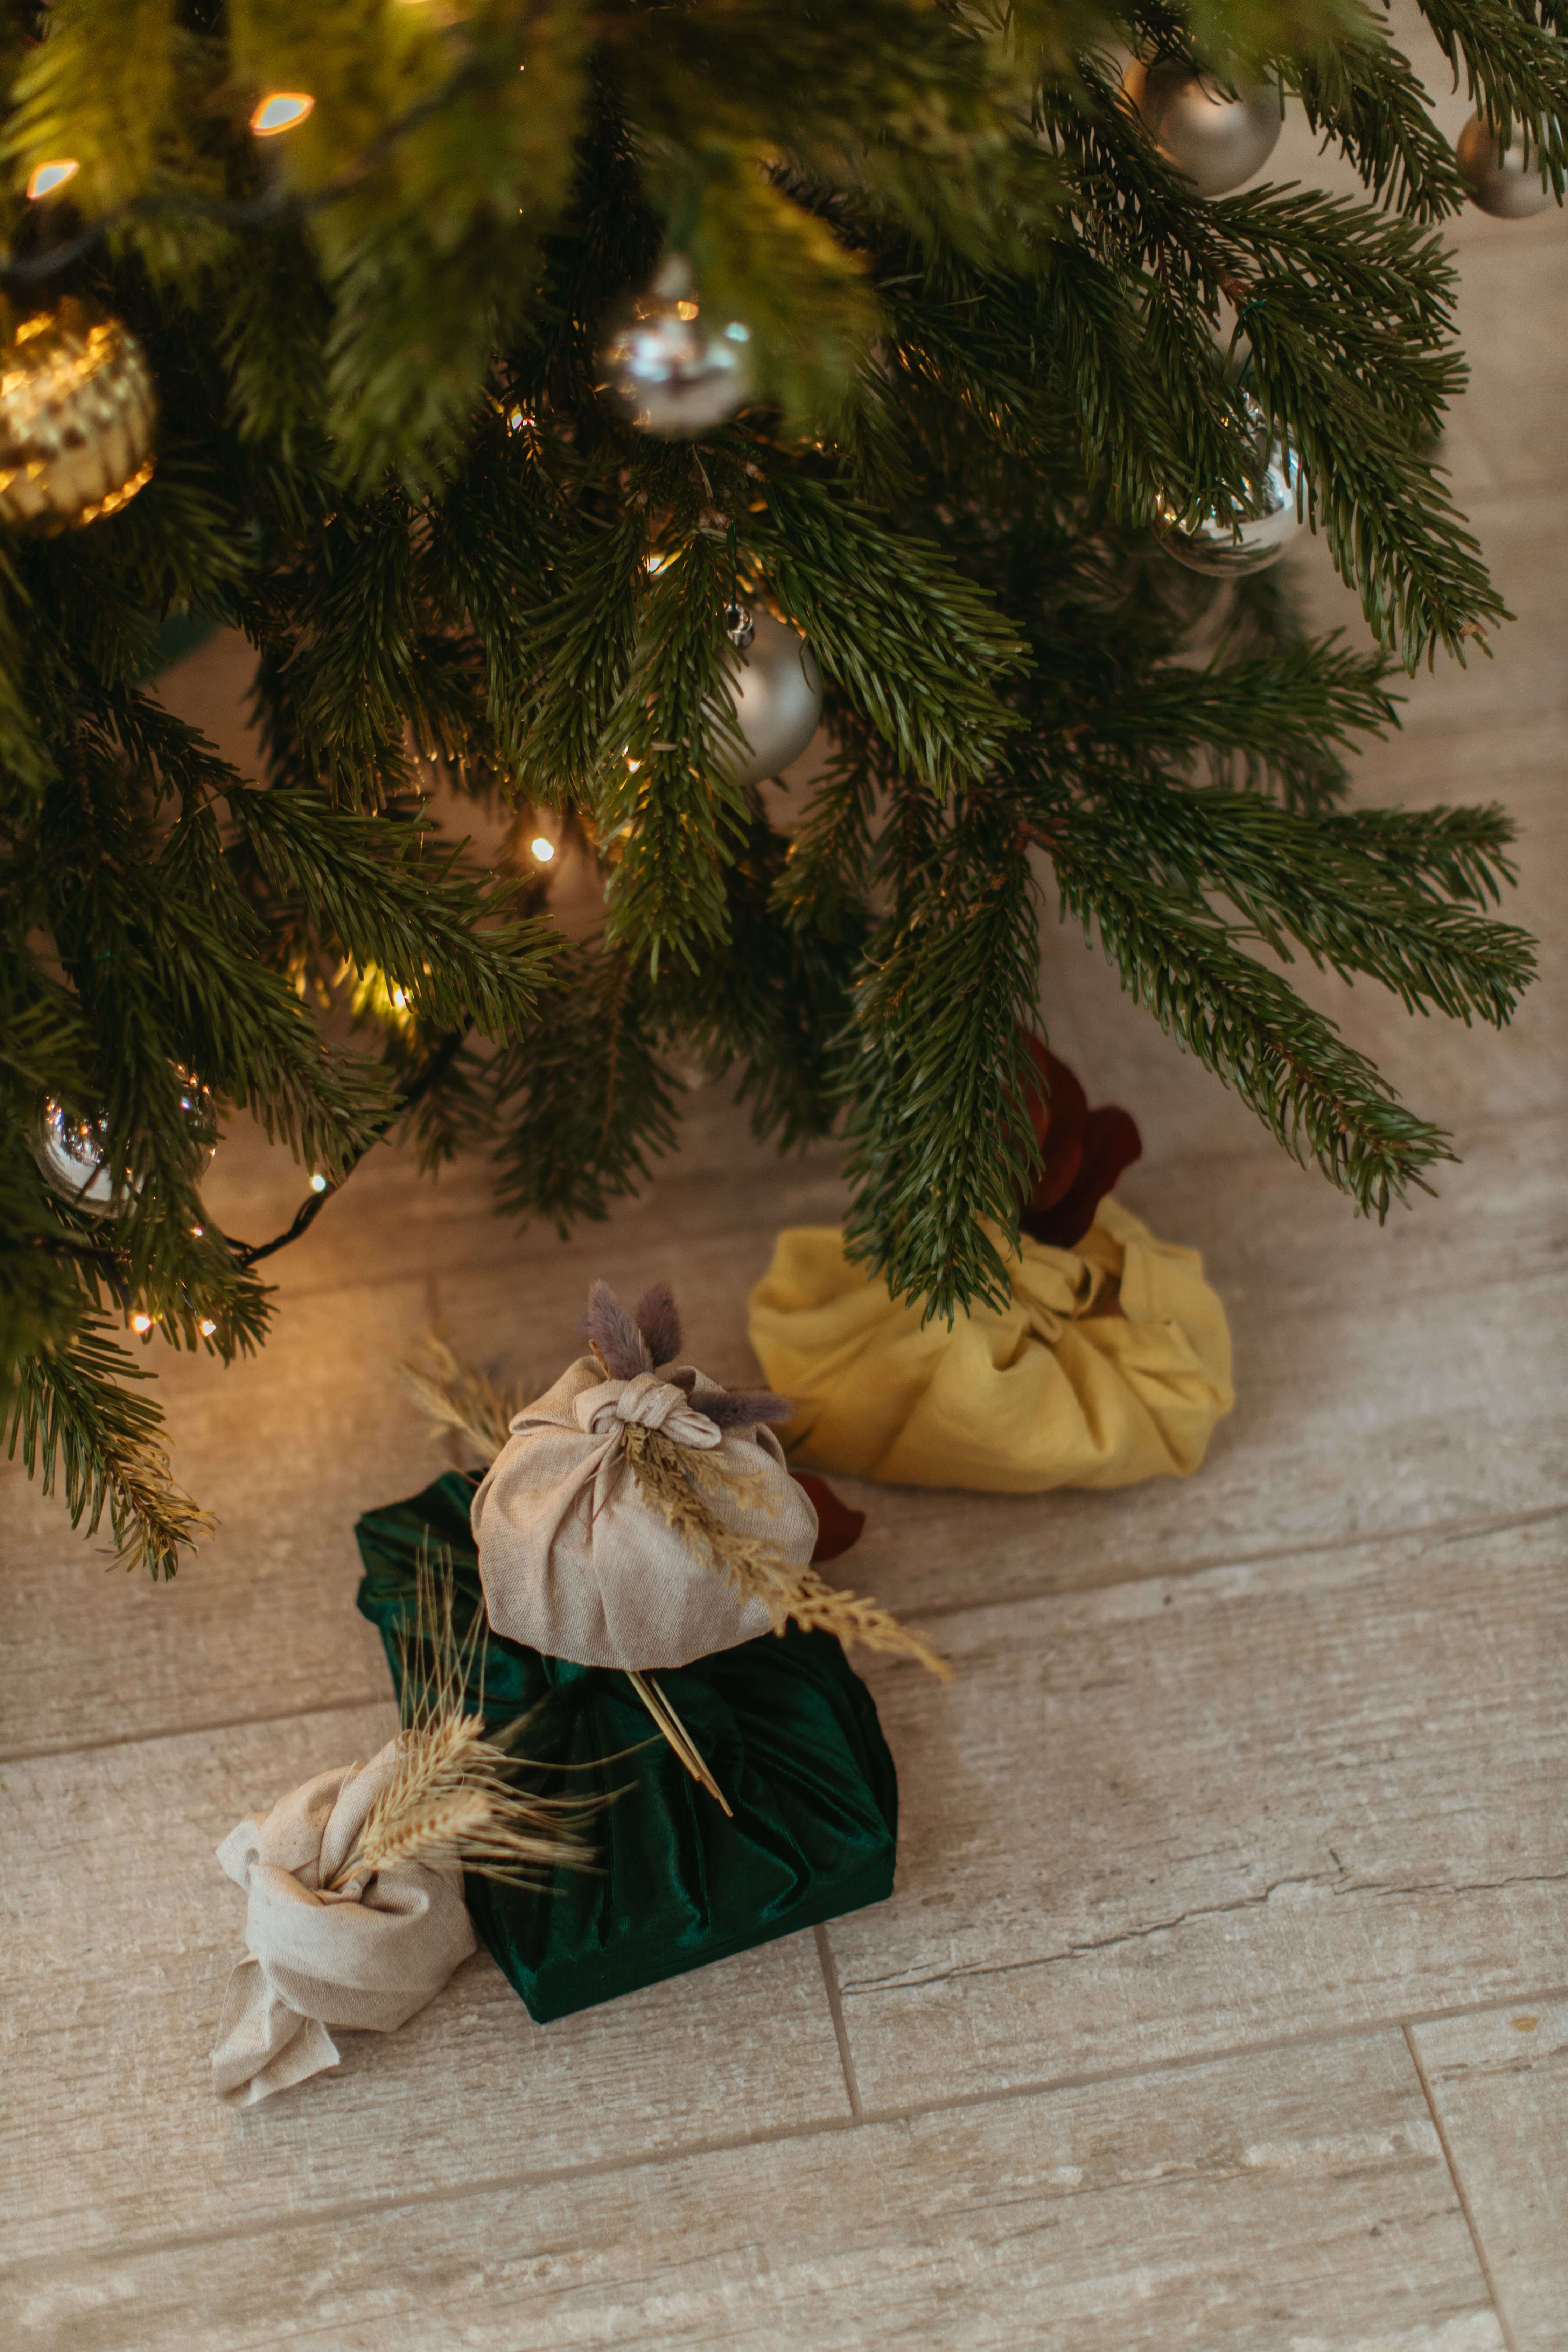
[(658, 1320), (745, 1408), (612, 1335)]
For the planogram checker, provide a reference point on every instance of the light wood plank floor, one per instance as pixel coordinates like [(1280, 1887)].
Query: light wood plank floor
[(1223, 2002)]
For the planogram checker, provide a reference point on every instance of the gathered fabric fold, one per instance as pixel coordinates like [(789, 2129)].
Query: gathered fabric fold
[(576, 1563), (1109, 1363), (365, 1956)]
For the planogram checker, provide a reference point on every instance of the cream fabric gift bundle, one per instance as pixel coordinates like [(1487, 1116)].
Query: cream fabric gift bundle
[(366, 1956), (577, 1562)]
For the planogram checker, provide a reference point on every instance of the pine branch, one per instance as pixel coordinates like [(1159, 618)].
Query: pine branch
[(67, 1409), (1319, 1097)]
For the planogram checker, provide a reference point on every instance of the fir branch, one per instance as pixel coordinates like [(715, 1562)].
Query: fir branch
[(68, 1409), (1319, 1097)]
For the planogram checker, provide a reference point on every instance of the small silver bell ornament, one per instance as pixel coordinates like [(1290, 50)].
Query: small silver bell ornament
[(1503, 181), (1250, 538), (1214, 137), (673, 371), (775, 691)]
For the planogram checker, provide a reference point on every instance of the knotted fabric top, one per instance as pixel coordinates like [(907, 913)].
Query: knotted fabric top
[(578, 1563), (651, 1403), (367, 1955), (1109, 1363)]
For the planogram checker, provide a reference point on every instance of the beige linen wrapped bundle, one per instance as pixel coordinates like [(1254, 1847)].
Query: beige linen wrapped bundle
[(367, 1954), (584, 1550)]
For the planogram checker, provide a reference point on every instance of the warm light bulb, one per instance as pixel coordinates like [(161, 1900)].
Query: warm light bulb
[(318, 1183), (633, 764), (198, 1231), (47, 177), (400, 998), (280, 111), (208, 1326), (540, 849), (140, 1322), (520, 421)]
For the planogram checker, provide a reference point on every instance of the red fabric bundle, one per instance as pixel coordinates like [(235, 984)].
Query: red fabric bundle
[(1085, 1153)]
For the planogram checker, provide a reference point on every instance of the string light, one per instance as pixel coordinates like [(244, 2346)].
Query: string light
[(400, 998), (140, 1322), (540, 849), (47, 177), (318, 1183), (198, 1231), (280, 110), (208, 1326)]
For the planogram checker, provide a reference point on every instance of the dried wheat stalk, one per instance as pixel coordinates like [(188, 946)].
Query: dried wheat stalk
[(461, 1401), (671, 1479), (454, 1799)]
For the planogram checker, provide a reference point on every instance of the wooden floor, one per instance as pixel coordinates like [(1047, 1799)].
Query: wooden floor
[(1224, 1999)]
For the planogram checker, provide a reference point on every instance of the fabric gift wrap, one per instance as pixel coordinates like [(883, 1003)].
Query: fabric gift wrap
[(577, 1565), (1110, 1362), (366, 1955), (787, 1727)]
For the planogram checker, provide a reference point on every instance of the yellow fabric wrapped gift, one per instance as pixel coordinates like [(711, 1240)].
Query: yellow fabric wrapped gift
[(1057, 1389)]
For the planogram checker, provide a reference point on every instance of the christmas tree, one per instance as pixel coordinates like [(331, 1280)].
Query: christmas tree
[(940, 347)]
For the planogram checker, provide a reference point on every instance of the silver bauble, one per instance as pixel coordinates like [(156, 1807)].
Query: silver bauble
[(71, 1149), (1253, 537), (1503, 182), (776, 694), (1214, 137), (70, 1152), (673, 372)]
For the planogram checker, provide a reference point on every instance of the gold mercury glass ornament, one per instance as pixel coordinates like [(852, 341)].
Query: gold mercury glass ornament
[(77, 409)]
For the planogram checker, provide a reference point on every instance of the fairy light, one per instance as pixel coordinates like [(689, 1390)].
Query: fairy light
[(520, 421), (198, 1231), (400, 998), (540, 849), (140, 1322), (208, 1326), (633, 765), (318, 1183), (280, 110), (47, 177)]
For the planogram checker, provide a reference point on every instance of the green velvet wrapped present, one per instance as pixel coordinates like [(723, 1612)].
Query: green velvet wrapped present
[(783, 1722)]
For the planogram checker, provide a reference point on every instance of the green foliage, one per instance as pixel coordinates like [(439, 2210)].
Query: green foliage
[(1000, 346)]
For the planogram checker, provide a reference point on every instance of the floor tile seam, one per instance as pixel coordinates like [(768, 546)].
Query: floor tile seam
[(932, 1611), (1497, 1523), (778, 2135), (1482, 2259), (198, 1730), (829, 1967), (299, 1294), (1242, 1156)]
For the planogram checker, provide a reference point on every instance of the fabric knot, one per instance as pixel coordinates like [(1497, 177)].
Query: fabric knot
[(647, 1403)]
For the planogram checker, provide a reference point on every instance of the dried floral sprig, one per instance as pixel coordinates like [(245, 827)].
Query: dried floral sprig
[(454, 1799), (461, 1401), (672, 1478)]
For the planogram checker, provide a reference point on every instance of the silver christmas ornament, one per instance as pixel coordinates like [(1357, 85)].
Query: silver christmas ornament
[(777, 693), (1503, 181), (1249, 539), (1216, 138), (675, 371), (71, 1151)]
